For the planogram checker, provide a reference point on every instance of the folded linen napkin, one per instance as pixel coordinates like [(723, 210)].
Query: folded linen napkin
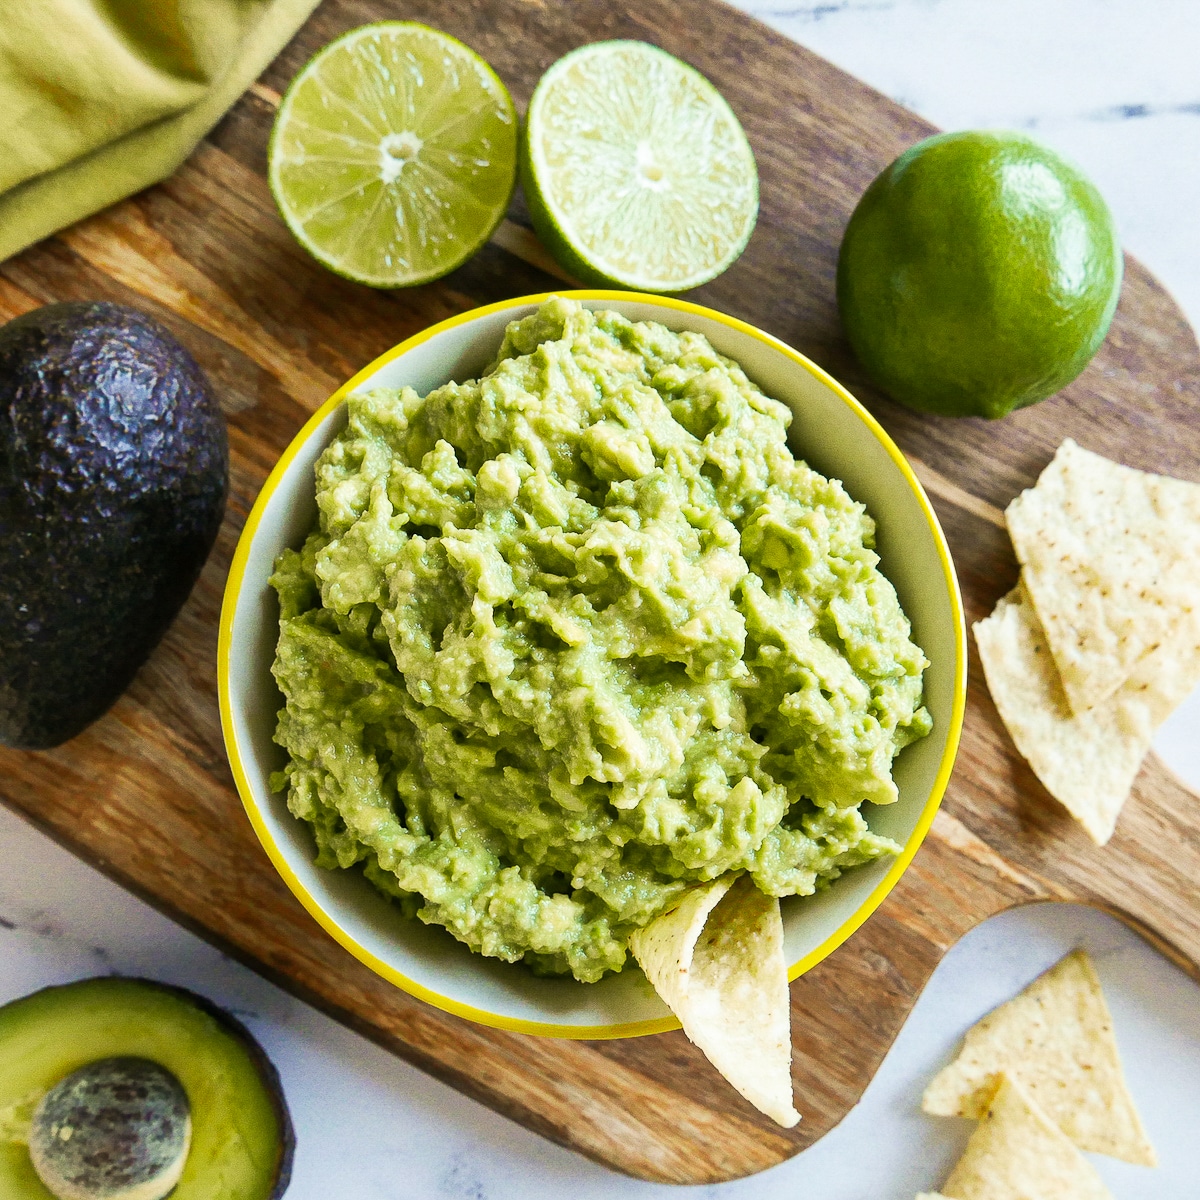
[(100, 98)]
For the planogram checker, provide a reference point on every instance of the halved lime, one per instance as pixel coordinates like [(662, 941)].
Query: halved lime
[(394, 154), (636, 170)]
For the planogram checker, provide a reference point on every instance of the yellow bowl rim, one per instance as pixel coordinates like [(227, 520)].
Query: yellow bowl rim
[(233, 588)]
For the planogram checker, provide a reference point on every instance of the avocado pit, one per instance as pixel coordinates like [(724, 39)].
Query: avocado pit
[(116, 1129)]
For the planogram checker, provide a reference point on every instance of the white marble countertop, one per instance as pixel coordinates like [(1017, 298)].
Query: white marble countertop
[(1111, 83)]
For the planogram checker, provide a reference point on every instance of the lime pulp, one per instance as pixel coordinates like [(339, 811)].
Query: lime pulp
[(394, 153), (637, 172)]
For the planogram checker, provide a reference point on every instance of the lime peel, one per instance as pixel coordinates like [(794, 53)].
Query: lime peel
[(978, 274)]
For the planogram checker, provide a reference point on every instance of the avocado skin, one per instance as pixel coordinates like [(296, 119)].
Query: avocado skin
[(114, 465), (262, 1065)]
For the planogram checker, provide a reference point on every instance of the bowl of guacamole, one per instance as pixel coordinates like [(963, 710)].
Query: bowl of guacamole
[(568, 605)]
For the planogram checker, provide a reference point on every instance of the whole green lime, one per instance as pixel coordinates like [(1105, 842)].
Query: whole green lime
[(979, 273)]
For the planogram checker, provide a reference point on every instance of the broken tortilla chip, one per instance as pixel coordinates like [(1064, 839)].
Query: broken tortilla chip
[(1018, 1153), (1056, 1040), (717, 961), (1087, 762), (1111, 560)]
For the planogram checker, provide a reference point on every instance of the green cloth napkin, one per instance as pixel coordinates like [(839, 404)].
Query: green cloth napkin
[(100, 98)]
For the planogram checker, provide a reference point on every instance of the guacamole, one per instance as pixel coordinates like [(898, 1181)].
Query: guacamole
[(578, 634)]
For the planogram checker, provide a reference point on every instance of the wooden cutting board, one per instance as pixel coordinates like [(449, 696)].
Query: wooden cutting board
[(146, 793)]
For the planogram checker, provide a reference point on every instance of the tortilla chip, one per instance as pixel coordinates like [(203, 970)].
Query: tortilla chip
[(717, 960), (1018, 1153), (1088, 762), (1111, 559), (1055, 1039)]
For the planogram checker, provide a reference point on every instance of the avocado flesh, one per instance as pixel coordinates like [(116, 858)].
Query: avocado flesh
[(242, 1141), (113, 478)]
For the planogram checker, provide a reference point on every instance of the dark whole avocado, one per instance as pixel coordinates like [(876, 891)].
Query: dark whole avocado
[(241, 1139), (114, 466)]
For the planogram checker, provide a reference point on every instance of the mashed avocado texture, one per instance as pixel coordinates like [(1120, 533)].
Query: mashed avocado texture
[(575, 635)]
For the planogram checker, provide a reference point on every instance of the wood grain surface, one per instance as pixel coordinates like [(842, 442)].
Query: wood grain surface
[(146, 793)]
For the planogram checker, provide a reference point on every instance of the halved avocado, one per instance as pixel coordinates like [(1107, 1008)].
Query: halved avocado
[(241, 1134)]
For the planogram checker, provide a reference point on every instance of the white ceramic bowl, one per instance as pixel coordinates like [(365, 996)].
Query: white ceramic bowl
[(832, 432)]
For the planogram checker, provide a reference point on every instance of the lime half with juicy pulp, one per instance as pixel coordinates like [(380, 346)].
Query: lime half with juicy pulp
[(394, 154), (637, 173)]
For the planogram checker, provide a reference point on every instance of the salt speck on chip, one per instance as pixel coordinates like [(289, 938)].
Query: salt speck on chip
[(1087, 761), (717, 961), (1111, 560)]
